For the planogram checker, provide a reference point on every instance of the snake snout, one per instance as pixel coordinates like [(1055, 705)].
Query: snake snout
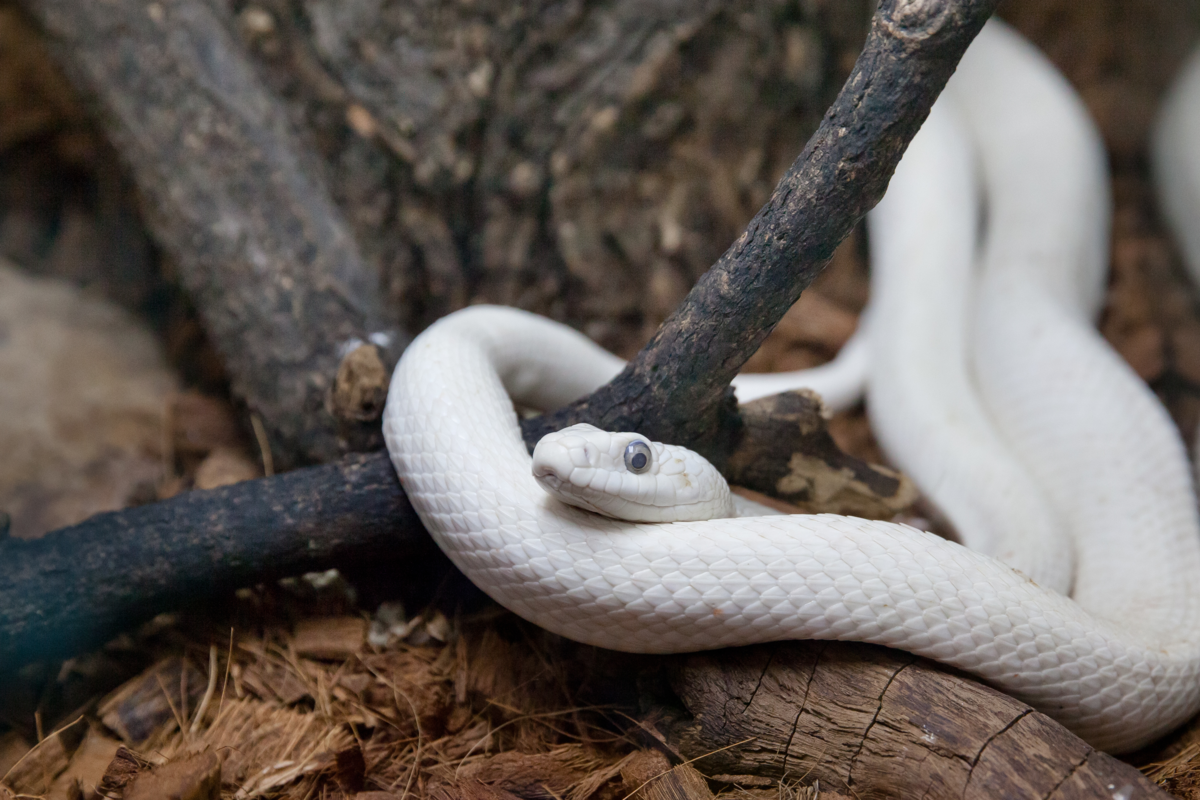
[(554, 462)]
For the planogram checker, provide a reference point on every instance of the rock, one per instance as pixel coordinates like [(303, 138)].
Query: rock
[(83, 393)]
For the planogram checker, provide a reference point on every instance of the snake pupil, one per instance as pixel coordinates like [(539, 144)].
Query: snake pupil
[(637, 457)]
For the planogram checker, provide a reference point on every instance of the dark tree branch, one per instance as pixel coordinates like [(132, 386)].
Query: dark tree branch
[(75, 588), (677, 388), (230, 195)]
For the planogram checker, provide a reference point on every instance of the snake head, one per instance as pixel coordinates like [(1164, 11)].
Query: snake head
[(626, 476)]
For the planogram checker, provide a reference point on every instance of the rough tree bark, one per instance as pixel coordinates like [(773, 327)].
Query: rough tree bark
[(262, 233), (677, 388), (231, 195), (878, 723), (785, 451)]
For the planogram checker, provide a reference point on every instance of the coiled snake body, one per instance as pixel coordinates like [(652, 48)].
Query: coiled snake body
[(1119, 664)]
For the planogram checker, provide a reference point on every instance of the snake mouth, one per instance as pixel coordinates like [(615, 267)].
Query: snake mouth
[(549, 478)]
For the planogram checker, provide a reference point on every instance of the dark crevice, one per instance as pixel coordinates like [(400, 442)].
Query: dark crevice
[(992, 738), (787, 748), (862, 742), (1068, 776), (761, 675)]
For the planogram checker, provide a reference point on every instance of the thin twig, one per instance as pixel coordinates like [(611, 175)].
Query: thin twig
[(208, 692)]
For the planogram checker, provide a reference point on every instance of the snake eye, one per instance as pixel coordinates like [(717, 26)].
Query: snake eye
[(637, 457)]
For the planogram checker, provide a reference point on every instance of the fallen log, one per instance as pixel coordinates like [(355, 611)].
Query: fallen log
[(874, 722)]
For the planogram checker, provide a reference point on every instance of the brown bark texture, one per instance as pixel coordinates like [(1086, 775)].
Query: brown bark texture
[(236, 202), (677, 388), (785, 451), (587, 161), (876, 723), (527, 154)]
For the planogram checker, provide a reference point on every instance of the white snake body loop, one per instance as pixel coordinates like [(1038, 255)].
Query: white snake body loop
[(839, 382), (1096, 438), (1175, 158), (924, 408), (453, 436), (1176, 162)]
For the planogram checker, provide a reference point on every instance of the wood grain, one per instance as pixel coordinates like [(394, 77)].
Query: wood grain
[(878, 723)]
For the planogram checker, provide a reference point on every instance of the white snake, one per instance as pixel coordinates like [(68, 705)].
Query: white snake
[(1052, 407)]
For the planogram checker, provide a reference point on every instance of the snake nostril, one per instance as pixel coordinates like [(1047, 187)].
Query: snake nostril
[(550, 460)]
